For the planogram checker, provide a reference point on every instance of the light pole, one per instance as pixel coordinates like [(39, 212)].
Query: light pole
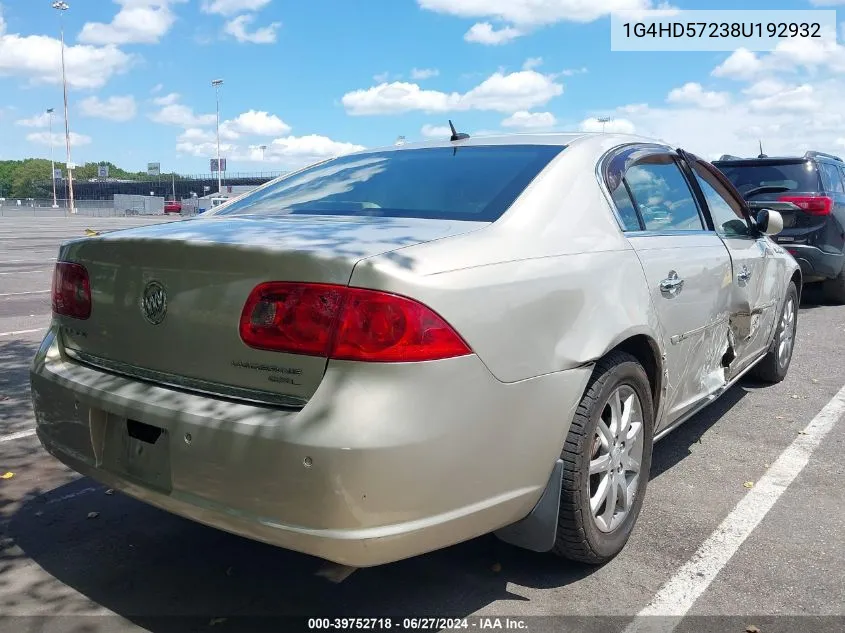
[(52, 162), (604, 121), (61, 7), (217, 83), (263, 149)]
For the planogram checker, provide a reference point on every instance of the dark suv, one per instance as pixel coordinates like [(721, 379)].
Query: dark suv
[(809, 192)]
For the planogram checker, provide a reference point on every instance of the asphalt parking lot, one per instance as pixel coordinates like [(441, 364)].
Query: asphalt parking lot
[(742, 525)]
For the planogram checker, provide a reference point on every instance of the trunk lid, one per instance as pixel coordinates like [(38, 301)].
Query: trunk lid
[(207, 267)]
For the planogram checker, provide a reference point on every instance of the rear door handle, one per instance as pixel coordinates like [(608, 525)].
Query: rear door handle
[(672, 284)]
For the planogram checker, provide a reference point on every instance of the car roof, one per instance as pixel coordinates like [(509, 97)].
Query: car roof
[(754, 160), (562, 139)]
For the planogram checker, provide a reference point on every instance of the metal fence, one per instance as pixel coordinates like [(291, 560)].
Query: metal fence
[(120, 206)]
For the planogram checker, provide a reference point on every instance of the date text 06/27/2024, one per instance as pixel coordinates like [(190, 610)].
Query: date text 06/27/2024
[(418, 624)]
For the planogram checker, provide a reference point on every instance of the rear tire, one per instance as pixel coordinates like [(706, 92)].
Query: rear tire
[(775, 364), (611, 451), (834, 289)]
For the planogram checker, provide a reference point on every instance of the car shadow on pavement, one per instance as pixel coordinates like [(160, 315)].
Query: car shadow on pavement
[(812, 297), (676, 446), (161, 571)]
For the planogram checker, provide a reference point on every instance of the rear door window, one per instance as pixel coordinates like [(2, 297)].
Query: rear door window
[(475, 183), (831, 178), (663, 196)]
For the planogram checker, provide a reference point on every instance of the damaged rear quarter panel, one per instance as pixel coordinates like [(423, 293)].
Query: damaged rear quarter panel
[(535, 316)]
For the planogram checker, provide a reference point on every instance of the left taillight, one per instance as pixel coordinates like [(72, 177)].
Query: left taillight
[(71, 291), (344, 323)]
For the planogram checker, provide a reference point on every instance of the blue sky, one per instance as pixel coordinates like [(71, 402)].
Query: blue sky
[(323, 77)]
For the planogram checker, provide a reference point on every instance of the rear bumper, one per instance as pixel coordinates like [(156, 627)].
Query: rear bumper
[(815, 263), (384, 463)]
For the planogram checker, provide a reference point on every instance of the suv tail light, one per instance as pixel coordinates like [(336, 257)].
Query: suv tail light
[(71, 291), (813, 205), (345, 323)]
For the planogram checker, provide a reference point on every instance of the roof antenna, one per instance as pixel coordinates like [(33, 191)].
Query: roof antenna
[(762, 155), (457, 136)]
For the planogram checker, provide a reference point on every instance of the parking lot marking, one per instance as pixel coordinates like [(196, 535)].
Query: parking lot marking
[(24, 272), (31, 292), (15, 333), (677, 596), (17, 436)]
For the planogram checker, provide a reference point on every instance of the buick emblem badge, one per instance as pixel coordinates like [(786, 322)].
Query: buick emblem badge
[(154, 303)]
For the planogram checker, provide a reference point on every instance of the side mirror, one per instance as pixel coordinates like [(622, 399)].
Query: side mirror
[(769, 222)]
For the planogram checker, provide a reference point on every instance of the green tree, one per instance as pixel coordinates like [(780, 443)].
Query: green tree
[(28, 178)]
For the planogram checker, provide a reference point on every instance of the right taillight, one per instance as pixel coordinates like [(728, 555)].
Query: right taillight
[(345, 323), (71, 291), (813, 205)]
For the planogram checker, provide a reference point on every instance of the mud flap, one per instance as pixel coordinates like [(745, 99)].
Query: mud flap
[(537, 531)]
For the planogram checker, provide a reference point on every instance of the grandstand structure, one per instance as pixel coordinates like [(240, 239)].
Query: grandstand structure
[(186, 186)]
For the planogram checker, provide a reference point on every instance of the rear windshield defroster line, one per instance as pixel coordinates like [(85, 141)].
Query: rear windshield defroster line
[(476, 183)]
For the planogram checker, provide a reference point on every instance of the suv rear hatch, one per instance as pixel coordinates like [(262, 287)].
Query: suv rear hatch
[(207, 269), (792, 187)]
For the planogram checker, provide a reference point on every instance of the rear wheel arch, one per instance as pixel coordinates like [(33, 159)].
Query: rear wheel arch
[(647, 352), (797, 279)]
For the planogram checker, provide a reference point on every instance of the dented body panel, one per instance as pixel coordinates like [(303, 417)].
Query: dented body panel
[(693, 316)]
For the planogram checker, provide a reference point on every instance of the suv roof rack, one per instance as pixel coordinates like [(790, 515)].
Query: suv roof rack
[(812, 154), (729, 157)]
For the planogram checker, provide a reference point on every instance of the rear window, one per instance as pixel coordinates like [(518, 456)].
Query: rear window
[(776, 177), (465, 183)]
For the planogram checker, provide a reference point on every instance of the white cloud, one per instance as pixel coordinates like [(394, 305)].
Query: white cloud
[(156, 89), (521, 90), (419, 74), (693, 93), (532, 62), (239, 29), (742, 64), (765, 88), (259, 124), (615, 126), (569, 72), (34, 57), (290, 151), (436, 131), (231, 7), (197, 135), (530, 120), (788, 56), (798, 99), (310, 148), (381, 77), (114, 108), (167, 100), (38, 121), (182, 115), (789, 120), (485, 33), (43, 138), (137, 22), (534, 12)]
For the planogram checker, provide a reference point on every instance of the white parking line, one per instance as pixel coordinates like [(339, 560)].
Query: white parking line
[(24, 272), (677, 596), (17, 436), (15, 333), (31, 292)]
